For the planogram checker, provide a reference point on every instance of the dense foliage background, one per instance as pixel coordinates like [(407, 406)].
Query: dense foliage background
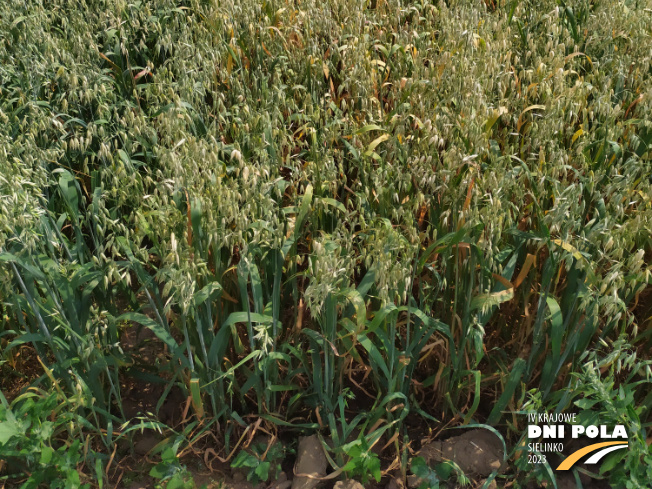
[(319, 209)]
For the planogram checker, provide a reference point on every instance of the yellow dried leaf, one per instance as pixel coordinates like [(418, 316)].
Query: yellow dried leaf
[(568, 247), (577, 134)]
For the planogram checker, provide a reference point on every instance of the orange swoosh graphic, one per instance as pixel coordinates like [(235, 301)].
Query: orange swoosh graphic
[(575, 456)]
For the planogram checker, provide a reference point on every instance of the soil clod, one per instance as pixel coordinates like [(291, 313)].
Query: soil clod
[(311, 461), (348, 484), (476, 452)]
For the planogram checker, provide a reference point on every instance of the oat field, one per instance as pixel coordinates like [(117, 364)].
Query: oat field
[(226, 225)]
